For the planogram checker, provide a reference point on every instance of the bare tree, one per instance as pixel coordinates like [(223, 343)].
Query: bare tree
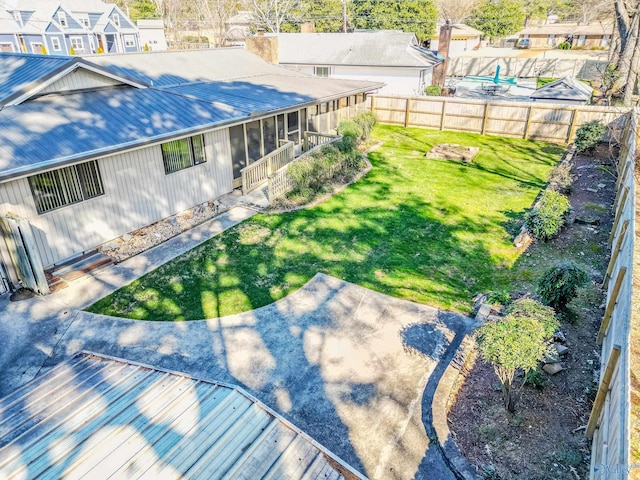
[(625, 57), (270, 14), (213, 15), (456, 10)]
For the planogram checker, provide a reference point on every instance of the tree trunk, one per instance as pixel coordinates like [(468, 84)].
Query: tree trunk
[(509, 396), (632, 76)]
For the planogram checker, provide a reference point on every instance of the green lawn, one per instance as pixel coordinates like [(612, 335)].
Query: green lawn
[(431, 231)]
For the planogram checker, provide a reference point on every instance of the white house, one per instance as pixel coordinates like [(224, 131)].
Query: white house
[(463, 39), (89, 152), (152, 37), (391, 57), (65, 27)]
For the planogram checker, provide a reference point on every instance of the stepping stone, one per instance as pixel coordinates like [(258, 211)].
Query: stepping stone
[(552, 368)]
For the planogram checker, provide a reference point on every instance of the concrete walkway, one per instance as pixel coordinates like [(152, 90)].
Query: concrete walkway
[(353, 368)]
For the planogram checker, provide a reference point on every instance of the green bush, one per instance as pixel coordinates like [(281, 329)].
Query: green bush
[(433, 90), (564, 46), (546, 220), (499, 298), (589, 135), (351, 133), (366, 120), (559, 285), (536, 378), (530, 308)]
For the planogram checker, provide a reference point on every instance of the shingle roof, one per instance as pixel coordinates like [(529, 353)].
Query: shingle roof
[(569, 29), (108, 418), (567, 88), (375, 48), (460, 29)]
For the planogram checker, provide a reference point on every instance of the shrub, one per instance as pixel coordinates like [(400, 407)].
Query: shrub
[(536, 378), (351, 134), (560, 179), (545, 220), (513, 343), (432, 90), (530, 308), (564, 46), (499, 298), (559, 285), (589, 135), (366, 120)]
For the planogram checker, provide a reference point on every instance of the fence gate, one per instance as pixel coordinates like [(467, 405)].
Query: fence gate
[(23, 253)]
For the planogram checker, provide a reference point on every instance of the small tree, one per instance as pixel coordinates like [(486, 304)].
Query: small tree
[(589, 135), (547, 218), (513, 343), (559, 285)]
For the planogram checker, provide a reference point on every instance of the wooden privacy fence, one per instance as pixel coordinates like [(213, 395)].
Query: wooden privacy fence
[(552, 123), (587, 69), (257, 173), (280, 182), (609, 421)]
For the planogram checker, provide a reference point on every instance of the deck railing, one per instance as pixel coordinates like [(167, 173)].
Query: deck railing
[(312, 140), (258, 172), (280, 182)]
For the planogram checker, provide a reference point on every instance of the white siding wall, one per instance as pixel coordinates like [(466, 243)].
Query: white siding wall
[(137, 193), (78, 80), (399, 81), (456, 47)]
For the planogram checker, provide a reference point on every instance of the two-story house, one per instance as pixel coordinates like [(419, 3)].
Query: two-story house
[(65, 27)]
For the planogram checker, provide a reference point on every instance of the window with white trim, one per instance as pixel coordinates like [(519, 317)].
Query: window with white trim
[(184, 153), (36, 47), (322, 71), (55, 43), (77, 43), (65, 186), (62, 19), (129, 41), (116, 19), (84, 21)]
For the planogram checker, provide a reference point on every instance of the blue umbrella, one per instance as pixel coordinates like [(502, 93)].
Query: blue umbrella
[(496, 79)]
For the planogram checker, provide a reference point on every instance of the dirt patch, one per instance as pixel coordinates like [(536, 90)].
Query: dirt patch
[(545, 437), (457, 153)]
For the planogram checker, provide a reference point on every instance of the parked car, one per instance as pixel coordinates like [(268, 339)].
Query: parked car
[(524, 43)]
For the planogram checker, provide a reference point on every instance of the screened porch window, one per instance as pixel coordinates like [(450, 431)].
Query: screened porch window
[(183, 153), (65, 186)]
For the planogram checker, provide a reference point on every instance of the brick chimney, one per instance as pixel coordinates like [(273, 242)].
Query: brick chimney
[(265, 46), (440, 71), (307, 27)]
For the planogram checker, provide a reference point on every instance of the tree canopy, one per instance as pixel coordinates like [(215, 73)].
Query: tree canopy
[(326, 16), (416, 16), (498, 18)]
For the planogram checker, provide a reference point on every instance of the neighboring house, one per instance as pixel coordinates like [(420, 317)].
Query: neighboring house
[(580, 36), (65, 27), (105, 417), (91, 149), (239, 28), (152, 37), (463, 39), (393, 57), (567, 90)]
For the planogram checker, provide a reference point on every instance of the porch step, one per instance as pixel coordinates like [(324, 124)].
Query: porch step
[(75, 268)]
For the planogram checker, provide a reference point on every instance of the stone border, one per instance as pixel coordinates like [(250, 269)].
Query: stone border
[(335, 191), (451, 453)]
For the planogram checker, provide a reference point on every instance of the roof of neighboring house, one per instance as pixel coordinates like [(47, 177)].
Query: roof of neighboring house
[(567, 88), (370, 48), (196, 94), (98, 416), (459, 30), (569, 29), (153, 24)]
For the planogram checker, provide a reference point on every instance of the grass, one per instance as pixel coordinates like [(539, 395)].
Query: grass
[(430, 231)]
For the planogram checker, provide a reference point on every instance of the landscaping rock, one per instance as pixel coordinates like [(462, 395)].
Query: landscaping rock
[(559, 337), (523, 240), (492, 318), (483, 312), (588, 220), (125, 238), (551, 358), (592, 190), (561, 349), (552, 368)]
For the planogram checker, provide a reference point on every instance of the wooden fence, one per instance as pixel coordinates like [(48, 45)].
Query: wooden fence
[(552, 123), (587, 69), (609, 421), (280, 182)]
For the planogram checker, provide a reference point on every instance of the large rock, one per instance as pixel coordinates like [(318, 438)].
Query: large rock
[(552, 368)]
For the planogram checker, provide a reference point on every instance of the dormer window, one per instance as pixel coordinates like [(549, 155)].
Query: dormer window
[(17, 17), (62, 19), (84, 21), (116, 19)]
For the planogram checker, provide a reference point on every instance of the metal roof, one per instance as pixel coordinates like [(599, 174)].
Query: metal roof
[(19, 72), (100, 417), (371, 48), (55, 129), (162, 69), (567, 88)]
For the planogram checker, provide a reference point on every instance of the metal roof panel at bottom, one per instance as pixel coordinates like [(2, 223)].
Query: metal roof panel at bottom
[(109, 418)]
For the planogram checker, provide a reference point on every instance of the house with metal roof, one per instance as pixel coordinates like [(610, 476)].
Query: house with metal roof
[(596, 35), (567, 90), (391, 57), (102, 417), (94, 148), (65, 27)]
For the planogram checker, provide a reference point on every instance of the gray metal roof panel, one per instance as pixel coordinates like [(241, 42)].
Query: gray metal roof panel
[(94, 415), (567, 88), (374, 48), (20, 71), (53, 129)]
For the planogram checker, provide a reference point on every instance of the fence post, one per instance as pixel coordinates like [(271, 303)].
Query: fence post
[(616, 252), (613, 300), (444, 109), (603, 388), (407, 112), (526, 126), (485, 117), (574, 123), (619, 209), (373, 101)]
